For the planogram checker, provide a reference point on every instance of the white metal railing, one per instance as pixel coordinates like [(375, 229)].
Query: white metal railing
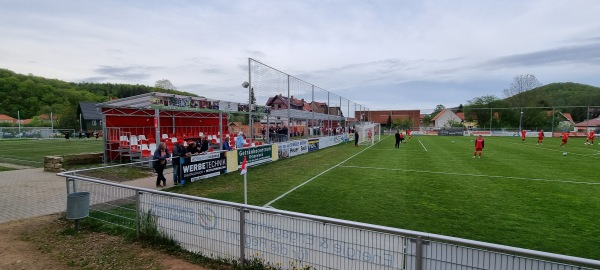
[(285, 239)]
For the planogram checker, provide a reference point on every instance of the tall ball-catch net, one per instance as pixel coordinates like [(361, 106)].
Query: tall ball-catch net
[(368, 133)]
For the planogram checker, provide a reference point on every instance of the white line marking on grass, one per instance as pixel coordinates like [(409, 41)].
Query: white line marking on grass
[(316, 176), (475, 175), (396, 150), (562, 149), (423, 145)]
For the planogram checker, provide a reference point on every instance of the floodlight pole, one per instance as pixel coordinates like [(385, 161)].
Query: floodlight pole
[(587, 120), (19, 120), (521, 121), (491, 115), (250, 100), (552, 119)]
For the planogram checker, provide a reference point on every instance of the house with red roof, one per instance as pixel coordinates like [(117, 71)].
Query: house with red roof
[(444, 119), (7, 119), (592, 124)]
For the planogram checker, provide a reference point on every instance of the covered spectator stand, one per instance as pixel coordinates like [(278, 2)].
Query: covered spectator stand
[(133, 126)]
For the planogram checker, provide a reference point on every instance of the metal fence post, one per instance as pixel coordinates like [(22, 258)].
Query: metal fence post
[(68, 189), (242, 236), (137, 214), (419, 254)]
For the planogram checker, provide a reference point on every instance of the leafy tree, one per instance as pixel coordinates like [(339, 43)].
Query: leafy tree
[(479, 108), (453, 123), (164, 84), (521, 84), (438, 109), (69, 119), (402, 123), (252, 98), (427, 120)]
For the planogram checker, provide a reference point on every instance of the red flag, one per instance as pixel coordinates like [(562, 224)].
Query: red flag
[(244, 169)]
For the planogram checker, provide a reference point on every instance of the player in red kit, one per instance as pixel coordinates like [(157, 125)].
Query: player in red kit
[(408, 134), (523, 133), (590, 138), (479, 144), (565, 137), (541, 137)]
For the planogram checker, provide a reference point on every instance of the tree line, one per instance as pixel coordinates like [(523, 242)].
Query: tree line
[(28, 96), (529, 105)]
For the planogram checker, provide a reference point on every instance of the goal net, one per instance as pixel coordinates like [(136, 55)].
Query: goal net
[(368, 133)]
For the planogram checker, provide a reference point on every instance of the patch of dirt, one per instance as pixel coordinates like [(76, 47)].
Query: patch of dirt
[(51, 243)]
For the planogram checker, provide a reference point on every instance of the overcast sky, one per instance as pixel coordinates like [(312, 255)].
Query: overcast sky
[(395, 54)]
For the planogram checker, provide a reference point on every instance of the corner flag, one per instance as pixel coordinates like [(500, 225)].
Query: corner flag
[(244, 169)]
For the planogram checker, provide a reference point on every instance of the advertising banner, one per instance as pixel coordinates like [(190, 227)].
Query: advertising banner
[(293, 148), (313, 145), (228, 106), (451, 132), (276, 239), (325, 142), (196, 226), (255, 155), (203, 166)]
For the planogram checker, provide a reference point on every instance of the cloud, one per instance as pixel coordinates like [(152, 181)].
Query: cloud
[(254, 53), (381, 53), (125, 73), (96, 79), (587, 54)]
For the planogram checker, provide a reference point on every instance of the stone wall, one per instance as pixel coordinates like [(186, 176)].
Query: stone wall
[(55, 163)]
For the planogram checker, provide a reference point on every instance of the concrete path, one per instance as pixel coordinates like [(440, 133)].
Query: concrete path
[(26, 193)]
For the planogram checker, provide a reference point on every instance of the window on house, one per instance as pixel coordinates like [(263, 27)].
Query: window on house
[(94, 123)]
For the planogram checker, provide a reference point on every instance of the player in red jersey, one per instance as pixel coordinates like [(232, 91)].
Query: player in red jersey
[(541, 137), (523, 133), (408, 134), (479, 144), (565, 137), (590, 137)]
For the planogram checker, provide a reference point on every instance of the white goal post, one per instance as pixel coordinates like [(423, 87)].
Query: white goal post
[(368, 132)]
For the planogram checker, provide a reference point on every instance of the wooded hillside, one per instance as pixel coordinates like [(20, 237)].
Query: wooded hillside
[(32, 95)]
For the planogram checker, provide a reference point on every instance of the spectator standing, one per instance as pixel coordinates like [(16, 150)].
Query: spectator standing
[(397, 135), (179, 152), (204, 145), (239, 141), (161, 155), (226, 145), (192, 149)]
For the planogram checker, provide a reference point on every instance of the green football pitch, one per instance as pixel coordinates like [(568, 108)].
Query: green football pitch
[(31, 152), (517, 194)]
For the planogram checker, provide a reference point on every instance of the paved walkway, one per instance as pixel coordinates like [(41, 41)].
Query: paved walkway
[(26, 193)]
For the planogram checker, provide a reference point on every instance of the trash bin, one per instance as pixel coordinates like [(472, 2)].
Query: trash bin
[(78, 205)]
